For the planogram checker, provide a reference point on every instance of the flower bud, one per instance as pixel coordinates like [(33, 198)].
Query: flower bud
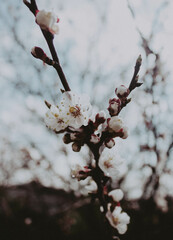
[(100, 117), (73, 136), (38, 52), (102, 114), (66, 138), (47, 21), (80, 172), (122, 92), (114, 106), (117, 195), (76, 147), (115, 124), (94, 139), (101, 209), (110, 143)]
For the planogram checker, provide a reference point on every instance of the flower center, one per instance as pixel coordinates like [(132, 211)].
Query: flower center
[(75, 111), (108, 164), (60, 121), (115, 220)]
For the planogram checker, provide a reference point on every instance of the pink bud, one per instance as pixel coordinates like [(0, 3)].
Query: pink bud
[(100, 117), (110, 143), (94, 139), (122, 92), (38, 52), (114, 106)]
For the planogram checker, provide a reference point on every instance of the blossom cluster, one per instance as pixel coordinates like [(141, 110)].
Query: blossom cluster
[(73, 116), (72, 111)]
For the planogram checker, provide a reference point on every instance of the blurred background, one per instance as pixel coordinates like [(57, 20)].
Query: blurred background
[(98, 44)]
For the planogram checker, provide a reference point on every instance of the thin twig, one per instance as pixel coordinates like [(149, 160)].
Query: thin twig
[(134, 82), (49, 39)]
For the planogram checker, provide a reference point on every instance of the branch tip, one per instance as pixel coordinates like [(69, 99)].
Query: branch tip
[(139, 60), (138, 84)]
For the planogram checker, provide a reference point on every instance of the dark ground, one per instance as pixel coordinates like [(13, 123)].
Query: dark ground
[(43, 214)]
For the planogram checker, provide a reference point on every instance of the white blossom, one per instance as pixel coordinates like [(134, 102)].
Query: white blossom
[(72, 111), (47, 21), (55, 120), (109, 162), (116, 194), (76, 108), (118, 219)]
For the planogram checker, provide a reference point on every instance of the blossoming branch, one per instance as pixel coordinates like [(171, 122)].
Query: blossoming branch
[(73, 116)]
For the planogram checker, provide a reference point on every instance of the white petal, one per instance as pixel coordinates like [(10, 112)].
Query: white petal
[(116, 194), (122, 228)]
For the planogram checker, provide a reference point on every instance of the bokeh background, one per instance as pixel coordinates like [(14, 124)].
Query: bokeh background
[(98, 44)]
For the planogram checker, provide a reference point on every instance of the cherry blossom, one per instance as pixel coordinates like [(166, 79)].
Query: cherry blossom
[(55, 120), (76, 108), (73, 110), (118, 219), (110, 162)]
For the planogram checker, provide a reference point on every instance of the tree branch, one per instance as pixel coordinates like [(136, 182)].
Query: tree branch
[(49, 39)]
